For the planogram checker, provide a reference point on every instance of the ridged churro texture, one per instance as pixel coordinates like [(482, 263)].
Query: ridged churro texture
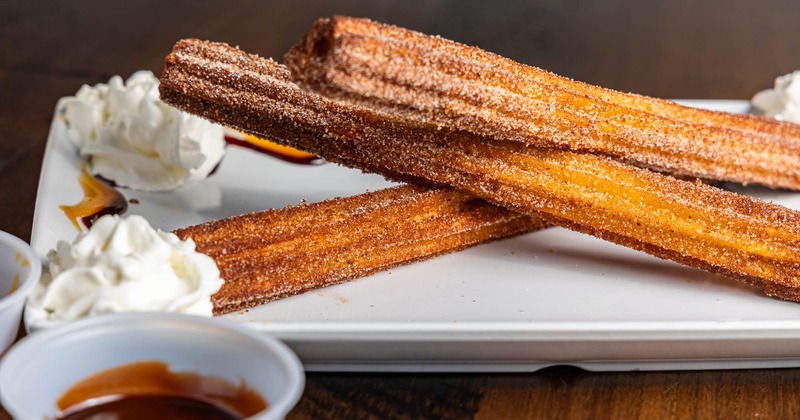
[(695, 224), (462, 87), (271, 254)]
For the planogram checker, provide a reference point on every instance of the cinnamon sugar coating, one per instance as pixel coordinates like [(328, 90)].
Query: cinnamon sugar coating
[(691, 223), (271, 254), (466, 88)]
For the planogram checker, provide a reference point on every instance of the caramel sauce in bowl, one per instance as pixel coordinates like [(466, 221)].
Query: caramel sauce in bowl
[(134, 361), (149, 407), (144, 389), (20, 269)]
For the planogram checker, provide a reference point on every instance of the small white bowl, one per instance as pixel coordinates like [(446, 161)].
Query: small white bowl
[(41, 367), (20, 269)]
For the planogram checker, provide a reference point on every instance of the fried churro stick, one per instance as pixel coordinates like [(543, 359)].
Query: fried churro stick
[(695, 224), (469, 89), (271, 254)]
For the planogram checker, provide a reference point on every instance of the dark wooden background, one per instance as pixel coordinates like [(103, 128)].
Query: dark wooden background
[(674, 49)]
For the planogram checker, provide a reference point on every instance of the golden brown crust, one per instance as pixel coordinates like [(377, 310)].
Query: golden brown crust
[(469, 89), (271, 254), (691, 223)]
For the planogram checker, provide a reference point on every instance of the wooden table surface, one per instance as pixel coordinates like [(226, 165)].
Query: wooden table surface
[(674, 49)]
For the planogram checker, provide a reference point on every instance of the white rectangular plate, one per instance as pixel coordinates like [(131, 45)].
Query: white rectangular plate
[(546, 298)]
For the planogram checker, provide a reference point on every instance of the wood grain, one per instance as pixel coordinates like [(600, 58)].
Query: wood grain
[(676, 49)]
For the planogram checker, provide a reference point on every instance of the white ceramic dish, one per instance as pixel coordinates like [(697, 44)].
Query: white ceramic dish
[(550, 297), (39, 369), (19, 271)]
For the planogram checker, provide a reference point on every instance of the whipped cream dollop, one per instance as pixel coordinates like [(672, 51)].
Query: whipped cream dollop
[(123, 265), (783, 101), (128, 135)]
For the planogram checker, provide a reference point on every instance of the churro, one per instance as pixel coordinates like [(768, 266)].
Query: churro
[(466, 88), (272, 254), (695, 224)]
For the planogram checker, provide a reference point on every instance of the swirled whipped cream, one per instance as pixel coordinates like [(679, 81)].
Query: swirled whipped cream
[(128, 135), (123, 265), (783, 101)]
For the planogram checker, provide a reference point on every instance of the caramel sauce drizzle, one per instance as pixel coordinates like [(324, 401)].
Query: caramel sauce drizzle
[(275, 150), (99, 200)]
